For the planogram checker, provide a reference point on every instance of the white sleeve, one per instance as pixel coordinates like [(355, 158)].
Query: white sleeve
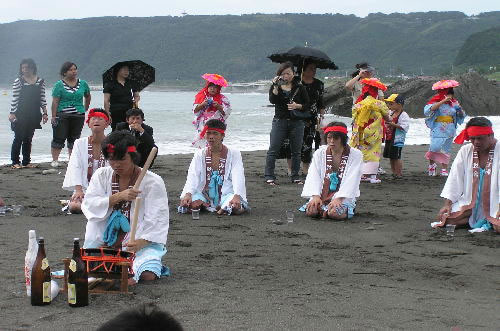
[(404, 121), (226, 107), (74, 170), (349, 187), (238, 175), (454, 186), (95, 205), (156, 213), (314, 182), (194, 175)]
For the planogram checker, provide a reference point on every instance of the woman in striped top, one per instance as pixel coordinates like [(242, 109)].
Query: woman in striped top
[(28, 97), (68, 110)]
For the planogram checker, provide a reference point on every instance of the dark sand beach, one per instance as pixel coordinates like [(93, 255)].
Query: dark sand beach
[(384, 269)]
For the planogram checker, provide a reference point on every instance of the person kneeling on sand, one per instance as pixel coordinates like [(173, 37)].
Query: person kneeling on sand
[(216, 178), (108, 207), (85, 159), (471, 191), (332, 183)]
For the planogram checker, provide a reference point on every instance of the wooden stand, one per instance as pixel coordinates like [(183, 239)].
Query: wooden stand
[(105, 282)]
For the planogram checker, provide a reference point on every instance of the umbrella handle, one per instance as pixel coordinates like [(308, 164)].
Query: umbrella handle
[(135, 104)]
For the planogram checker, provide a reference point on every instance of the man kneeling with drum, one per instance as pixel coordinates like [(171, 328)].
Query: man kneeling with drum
[(108, 206)]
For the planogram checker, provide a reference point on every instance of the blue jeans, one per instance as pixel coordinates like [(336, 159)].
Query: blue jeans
[(281, 130)]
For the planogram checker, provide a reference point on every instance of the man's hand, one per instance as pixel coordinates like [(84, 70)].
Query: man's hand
[(444, 213), (129, 194), (186, 201), (293, 105), (235, 202), (137, 127), (334, 204), (137, 245), (314, 206), (78, 195), (12, 117)]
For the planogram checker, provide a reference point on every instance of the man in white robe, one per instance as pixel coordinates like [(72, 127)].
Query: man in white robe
[(471, 191), (103, 198), (216, 178), (332, 183), (85, 159)]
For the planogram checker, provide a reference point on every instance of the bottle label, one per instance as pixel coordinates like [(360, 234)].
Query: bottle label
[(46, 292), (45, 264), (72, 265), (71, 294)]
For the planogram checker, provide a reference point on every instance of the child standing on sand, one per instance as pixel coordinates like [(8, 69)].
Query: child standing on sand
[(396, 133)]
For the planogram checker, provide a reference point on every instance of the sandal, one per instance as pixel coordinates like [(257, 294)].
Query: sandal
[(31, 165), (271, 182), (16, 166), (298, 181)]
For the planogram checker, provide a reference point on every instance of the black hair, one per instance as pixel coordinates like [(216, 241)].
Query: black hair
[(342, 136), (217, 124), (479, 121), (117, 68), (100, 110), (450, 91), (31, 64), (359, 66), (121, 140), (65, 67), (134, 112), (283, 67), (146, 317)]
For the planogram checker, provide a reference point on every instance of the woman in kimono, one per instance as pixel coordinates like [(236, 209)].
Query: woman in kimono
[(332, 183), (108, 206), (86, 158), (216, 178), (443, 115)]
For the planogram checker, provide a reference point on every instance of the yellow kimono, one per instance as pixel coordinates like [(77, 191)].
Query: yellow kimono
[(367, 131)]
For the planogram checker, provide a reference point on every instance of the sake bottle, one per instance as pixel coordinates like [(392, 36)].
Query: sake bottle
[(78, 283), (40, 277), (29, 259)]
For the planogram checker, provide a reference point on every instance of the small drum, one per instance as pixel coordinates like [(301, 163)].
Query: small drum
[(106, 260)]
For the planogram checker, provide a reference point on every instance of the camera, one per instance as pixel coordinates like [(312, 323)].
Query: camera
[(210, 101)]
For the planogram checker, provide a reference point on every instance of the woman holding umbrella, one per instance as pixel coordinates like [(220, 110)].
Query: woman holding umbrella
[(209, 104), (443, 115), (120, 94)]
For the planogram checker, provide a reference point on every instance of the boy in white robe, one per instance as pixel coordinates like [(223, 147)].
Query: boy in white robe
[(108, 206), (472, 188), (216, 178), (85, 159), (332, 183)]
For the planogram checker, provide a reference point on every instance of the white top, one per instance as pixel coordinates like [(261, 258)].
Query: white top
[(76, 173), (153, 220), (234, 176), (404, 121), (349, 187), (458, 187)]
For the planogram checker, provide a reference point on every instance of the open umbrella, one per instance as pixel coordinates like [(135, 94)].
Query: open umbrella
[(447, 83), (374, 82), (216, 79), (299, 54), (141, 73)]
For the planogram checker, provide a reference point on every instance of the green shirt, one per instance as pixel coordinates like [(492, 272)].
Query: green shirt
[(71, 98)]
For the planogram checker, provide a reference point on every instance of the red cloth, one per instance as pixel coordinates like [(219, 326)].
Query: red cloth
[(203, 94), (473, 131), (372, 90), (93, 113), (110, 148), (440, 96), (335, 129), (206, 128)]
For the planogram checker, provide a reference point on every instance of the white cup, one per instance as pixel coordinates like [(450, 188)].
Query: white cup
[(195, 213)]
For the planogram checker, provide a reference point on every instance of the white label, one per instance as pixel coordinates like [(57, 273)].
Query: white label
[(45, 264), (72, 265), (71, 293), (46, 291)]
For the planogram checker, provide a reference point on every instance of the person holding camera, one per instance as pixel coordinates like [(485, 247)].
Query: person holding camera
[(443, 114), (209, 104), (291, 108), (143, 133), (363, 70)]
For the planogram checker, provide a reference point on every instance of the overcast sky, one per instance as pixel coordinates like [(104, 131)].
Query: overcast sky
[(13, 10)]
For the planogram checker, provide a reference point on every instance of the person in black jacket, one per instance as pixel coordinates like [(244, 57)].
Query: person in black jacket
[(290, 100), (143, 133)]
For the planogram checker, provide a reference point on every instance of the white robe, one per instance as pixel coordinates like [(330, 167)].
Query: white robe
[(153, 220), (349, 187), (76, 172), (458, 187), (234, 175)]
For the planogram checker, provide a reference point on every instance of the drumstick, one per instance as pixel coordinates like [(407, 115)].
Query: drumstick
[(133, 226)]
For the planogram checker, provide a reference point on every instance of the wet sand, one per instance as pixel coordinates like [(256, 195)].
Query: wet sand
[(384, 269)]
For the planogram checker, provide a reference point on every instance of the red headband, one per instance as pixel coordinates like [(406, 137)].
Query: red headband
[(110, 148), (473, 131), (335, 129), (94, 113), (206, 128)]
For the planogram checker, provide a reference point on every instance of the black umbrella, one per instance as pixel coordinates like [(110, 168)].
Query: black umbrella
[(141, 73), (299, 54)]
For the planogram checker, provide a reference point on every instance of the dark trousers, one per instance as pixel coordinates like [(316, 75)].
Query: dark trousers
[(22, 139), (117, 116), (282, 129), (67, 128)]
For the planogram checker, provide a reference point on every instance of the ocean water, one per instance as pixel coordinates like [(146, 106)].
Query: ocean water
[(170, 115)]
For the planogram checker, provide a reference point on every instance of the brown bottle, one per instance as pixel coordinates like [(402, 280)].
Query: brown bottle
[(78, 281), (40, 277)]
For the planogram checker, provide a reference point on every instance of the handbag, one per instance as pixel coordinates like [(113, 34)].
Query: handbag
[(296, 114)]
